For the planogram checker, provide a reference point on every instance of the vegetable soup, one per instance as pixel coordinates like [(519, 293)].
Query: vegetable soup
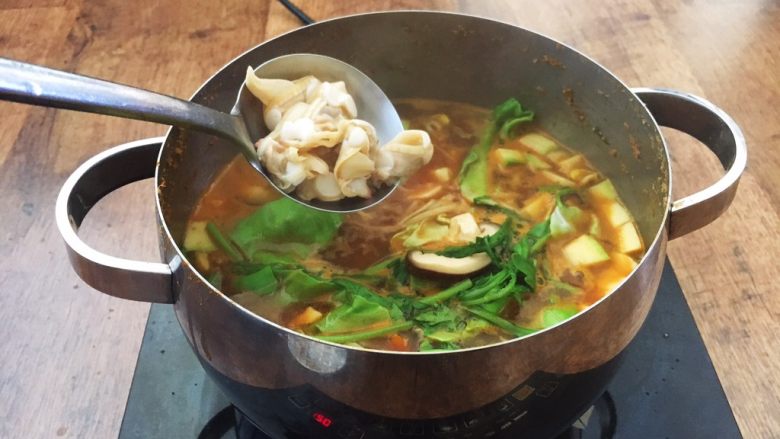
[(503, 233)]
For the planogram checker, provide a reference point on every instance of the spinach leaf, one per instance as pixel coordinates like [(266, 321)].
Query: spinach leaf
[(447, 293), (261, 282), (264, 257), (429, 345), (534, 240), (223, 243), (358, 314), (493, 204), (367, 335), (474, 170), (303, 286), (499, 293), (400, 271), (285, 220), (517, 272), (506, 325), (493, 244), (436, 316), (473, 175), (495, 307), (564, 218), (381, 265), (554, 315), (486, 284), (472, 328), (508, 115), (350, 288)]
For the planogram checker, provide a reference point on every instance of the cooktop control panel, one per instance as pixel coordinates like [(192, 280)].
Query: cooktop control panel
[(555, 399)]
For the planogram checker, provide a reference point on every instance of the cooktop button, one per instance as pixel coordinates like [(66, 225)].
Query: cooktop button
[(442, 427), (471, 420), (412, 429), (517, 416), (351, 433), (504, 405), (298, 401), (523, 393), (547, 389)]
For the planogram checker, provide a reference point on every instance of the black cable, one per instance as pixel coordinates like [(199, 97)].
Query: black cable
[(220, 424), (305, 19), (609, 425)]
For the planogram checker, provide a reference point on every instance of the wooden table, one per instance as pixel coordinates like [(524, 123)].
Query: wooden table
[(68, 352)]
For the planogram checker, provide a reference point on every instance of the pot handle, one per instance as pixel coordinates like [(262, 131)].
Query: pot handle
[(717, 130), (95, 178)]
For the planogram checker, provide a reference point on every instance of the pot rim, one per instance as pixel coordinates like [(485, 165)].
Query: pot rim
[(657, 238)]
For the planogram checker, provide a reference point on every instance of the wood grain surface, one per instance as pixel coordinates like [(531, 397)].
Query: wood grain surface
[(67, 353)]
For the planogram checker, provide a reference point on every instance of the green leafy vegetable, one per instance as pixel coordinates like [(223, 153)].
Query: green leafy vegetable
[(494, 307), (285, 220), (436, 316), (553, 316), (495, 294), (216, 280), (358, 314), (400, 271), (534, 240), (448, 293), (367, 335), (516, 274), (429, 345), (564, 218), (474, 170), (485, 284), (501, 323), (349, 288), (261, 282), (471, 329), (493, 204), (223, 243), (264, 257), (423, 233), (491, 244), (381, 265), (302, 285), (508, 115)]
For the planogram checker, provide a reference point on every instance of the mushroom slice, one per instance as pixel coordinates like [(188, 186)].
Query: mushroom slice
[(446, 265)]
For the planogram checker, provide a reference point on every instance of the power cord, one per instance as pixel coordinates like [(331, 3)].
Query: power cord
[(295, 10)]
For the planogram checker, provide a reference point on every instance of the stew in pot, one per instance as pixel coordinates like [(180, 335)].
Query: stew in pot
[(503, 233)]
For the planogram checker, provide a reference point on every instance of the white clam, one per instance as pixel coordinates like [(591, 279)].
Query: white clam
[(306, 115)]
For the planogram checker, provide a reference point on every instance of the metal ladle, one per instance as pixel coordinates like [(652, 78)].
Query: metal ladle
[(243, 126)]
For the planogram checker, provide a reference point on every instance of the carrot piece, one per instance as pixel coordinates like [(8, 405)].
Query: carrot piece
[(307, 317), (398, 343)]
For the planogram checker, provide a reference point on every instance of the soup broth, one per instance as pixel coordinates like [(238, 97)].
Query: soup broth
[(503, 233)]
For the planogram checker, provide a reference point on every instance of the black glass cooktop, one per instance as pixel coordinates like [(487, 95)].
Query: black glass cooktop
[(666, 386)]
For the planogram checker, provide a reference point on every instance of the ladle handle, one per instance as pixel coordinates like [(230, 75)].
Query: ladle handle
[(37, 85), (95, 178), (715, 129)]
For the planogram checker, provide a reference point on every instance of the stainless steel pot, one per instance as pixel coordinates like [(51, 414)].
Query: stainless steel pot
[(431, 55)]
